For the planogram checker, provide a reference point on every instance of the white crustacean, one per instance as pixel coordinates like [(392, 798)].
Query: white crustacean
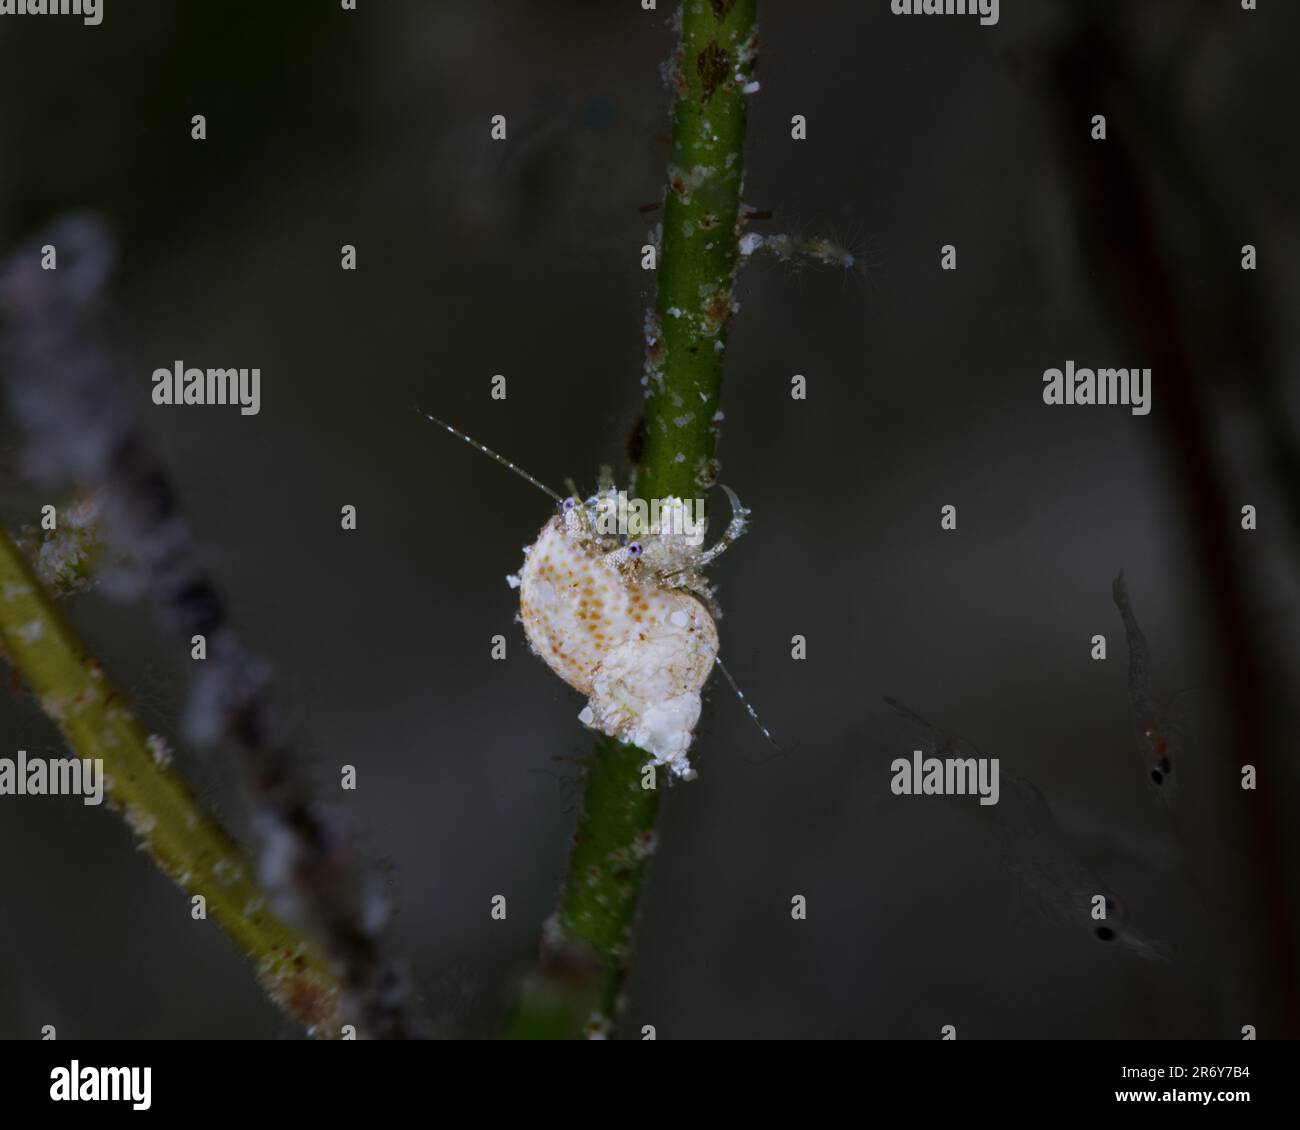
[(631, 624)]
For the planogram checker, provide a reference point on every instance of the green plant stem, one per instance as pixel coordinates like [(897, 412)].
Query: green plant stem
[(583, 966), (700, 246), (182, 839)]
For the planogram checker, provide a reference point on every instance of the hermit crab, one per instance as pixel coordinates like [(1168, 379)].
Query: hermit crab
[(613, 598)]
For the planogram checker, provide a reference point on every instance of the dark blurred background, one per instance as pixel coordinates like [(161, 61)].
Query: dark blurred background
[(371, 128)]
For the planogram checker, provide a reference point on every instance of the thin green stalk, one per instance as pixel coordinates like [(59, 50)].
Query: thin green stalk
[(182, 839), (700, 247), (584, 958)]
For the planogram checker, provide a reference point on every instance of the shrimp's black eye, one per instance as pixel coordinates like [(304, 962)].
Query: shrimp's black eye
[(634, 549), (569, 504), (1105, 933), (1157, 776)]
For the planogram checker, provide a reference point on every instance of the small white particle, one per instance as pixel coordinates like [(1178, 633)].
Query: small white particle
[(161, 751), (226, 871), (31, 631), (142, 823)]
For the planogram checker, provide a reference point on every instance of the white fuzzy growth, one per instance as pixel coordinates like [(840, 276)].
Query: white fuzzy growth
[(647, 691), (665, 729)]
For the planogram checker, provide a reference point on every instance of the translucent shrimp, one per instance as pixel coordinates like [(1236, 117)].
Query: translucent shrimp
[(1157, 735), (1039, 855)]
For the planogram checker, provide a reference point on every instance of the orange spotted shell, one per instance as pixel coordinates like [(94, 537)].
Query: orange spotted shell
[(640, 652)]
